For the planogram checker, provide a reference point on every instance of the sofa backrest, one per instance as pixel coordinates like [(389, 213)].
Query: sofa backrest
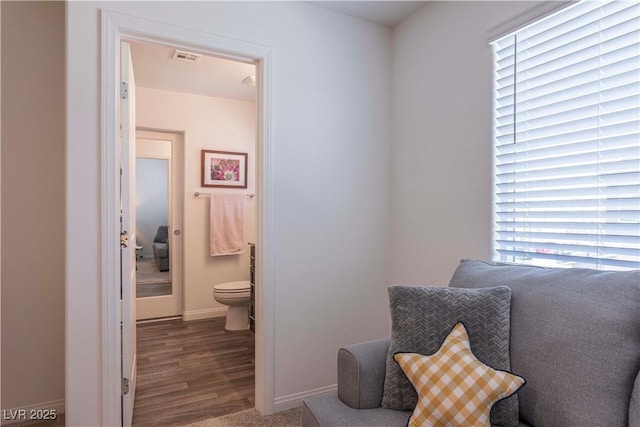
[(575, 337), (162, 234)]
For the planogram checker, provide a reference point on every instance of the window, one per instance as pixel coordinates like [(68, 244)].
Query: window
[(567, 139)]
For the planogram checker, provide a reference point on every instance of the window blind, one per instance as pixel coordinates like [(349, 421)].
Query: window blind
[(567, 139)]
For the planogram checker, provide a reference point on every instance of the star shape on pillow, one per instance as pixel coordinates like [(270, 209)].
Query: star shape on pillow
[(455, 388)]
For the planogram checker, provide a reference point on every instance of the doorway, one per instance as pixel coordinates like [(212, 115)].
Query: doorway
[(117, 27), (159, 213), (214, 112)]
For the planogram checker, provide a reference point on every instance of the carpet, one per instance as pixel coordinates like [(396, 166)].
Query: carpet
[(58, 422), (147, 272), (151, 282), (252, 418), (248, 418)]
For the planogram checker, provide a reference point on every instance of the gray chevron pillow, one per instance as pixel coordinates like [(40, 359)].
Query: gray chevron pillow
[(421, 317)]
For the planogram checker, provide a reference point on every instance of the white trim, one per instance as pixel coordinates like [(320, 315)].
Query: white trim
[(154, 156), (206, 313), (115, 28), (527, 17), (294, 400), (265, 247), (110, 227), (53, 405), (159, 319)]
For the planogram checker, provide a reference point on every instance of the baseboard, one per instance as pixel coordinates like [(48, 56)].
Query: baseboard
[(204, 314), (294, 400), (40, 411)]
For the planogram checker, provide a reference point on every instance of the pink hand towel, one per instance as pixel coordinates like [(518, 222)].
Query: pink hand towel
[(226, 224)]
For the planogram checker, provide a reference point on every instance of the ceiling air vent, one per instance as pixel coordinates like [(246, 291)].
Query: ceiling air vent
[(183, 55)]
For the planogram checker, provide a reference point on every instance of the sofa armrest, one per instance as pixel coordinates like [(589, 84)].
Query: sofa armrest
[(634, 406), (361, 371)]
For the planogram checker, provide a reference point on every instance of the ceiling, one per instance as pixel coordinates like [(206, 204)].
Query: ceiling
[(387, 13), (211, 76), (154, 67)]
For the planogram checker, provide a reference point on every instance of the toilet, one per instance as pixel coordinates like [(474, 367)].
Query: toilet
[(235, 295)]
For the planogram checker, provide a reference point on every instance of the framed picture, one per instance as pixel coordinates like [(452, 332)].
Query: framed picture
[(224, 169)]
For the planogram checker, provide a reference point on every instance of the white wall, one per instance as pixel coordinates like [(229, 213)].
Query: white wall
[(442, 138), (152, 201), (331, 182), (33, 194), (208, 124)]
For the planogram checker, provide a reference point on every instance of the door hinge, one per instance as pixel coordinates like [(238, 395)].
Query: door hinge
[(124, 90), (124, 239), (125, 386)]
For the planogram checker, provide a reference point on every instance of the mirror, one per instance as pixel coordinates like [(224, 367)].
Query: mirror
[(153, 275)]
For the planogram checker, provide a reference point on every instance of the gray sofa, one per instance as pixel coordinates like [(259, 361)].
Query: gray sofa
[(575, 337)]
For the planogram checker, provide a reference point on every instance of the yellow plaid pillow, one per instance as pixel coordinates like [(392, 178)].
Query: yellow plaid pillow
[(454, 387)]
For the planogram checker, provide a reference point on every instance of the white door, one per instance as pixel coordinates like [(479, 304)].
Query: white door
[(128, 230), (159, 293)]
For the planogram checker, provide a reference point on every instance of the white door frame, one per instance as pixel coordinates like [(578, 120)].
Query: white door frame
[(116, 27)]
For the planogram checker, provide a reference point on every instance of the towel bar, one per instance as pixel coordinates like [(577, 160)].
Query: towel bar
[(197, 194)]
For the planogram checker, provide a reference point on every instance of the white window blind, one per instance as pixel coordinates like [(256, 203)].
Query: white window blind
[(567, 139)]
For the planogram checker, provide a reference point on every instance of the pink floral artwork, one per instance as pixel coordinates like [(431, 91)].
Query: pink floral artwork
[(225, 169)]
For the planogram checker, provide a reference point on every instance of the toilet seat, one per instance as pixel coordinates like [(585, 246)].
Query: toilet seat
[(232, 287)]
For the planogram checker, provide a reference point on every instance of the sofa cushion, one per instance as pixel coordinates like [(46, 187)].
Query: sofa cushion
[(421, 318), (329, 411), (454, 388), (575, 337)]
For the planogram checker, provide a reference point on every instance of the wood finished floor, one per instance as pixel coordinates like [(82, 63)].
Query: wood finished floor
[(190, 371)]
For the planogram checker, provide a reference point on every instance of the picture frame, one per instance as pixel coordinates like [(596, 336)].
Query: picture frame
[(227, 169)]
